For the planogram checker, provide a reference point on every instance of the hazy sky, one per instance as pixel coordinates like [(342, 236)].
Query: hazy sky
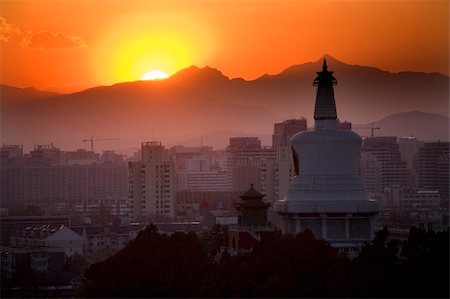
[(70, 45)]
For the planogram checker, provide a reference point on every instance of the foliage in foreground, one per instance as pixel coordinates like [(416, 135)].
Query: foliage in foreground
[(156, 265)]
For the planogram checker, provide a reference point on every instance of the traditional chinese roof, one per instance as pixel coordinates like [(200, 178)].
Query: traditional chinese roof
[(252, 199), (252, 193)]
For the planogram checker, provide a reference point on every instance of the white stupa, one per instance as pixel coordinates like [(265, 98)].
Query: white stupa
[(327, 195)]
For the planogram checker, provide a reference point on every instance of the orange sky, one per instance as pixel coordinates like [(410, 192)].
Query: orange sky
[(71, 45)]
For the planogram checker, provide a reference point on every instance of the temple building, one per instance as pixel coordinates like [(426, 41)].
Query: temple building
[(327, 195), (252, 219), (252, 210)]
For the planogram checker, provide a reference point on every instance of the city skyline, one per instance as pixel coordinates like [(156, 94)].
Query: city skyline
[(65, 213)]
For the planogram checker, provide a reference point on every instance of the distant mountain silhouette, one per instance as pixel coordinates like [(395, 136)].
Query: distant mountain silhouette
[(362, 93), (197, 100), (424, 126), (11, 93), (219, 139)]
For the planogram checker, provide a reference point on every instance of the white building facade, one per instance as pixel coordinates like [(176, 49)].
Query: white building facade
[(327, 196)]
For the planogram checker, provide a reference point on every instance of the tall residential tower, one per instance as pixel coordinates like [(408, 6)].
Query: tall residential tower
[(153, 184)]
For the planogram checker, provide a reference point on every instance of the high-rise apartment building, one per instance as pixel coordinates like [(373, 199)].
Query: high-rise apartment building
[(244, 162), (284, 164), (283, 132), (213, 180), (285, 171), (269, 174), (47, 154), (201, 169), (82, 157), (248, 163), (409, 151), (11, 155), (11, 151), (386, 151), (152, 184), (183, 156), (434, 167), (46, 183), (370, 170)]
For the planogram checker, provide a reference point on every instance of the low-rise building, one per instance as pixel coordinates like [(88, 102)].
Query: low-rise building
[(10, 225), (50, 235), (113, 205), (404, 208), (40, 259), (104, 241), (191, 205)]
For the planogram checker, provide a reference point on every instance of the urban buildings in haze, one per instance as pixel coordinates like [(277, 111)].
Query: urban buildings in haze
[(48, 175), (201, 169), (385, 150)]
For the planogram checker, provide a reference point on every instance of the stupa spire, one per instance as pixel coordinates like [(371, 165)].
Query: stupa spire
[(327, 196), (325, 104)]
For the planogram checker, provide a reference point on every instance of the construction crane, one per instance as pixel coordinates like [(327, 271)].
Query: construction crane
[(372, 128), (98, 139)]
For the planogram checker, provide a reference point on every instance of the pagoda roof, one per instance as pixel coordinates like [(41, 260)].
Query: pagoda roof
[(252, 193), (252, 199)]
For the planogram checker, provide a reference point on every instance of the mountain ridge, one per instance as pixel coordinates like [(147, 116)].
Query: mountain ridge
[(213, 69), (436, 123), (197, 99)]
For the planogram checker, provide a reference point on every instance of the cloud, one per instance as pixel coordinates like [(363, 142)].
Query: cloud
[(8, 31), (46, 40), (43, 40)]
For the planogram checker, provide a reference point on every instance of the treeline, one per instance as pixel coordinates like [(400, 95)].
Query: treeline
[(183, 265)]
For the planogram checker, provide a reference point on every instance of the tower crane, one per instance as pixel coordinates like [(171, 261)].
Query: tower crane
[(97, 139), (372, 128)]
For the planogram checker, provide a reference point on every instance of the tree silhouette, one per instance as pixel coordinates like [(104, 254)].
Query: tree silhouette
[(179, 265)]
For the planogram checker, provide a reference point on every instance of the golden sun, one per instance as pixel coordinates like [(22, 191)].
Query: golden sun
[(154, 75)]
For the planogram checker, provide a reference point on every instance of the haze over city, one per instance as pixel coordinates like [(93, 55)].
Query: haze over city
[(222, 149)]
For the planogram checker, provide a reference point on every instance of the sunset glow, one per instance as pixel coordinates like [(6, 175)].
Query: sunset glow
[(137, 44), (155, 75), (223, 149), (48, 46)]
